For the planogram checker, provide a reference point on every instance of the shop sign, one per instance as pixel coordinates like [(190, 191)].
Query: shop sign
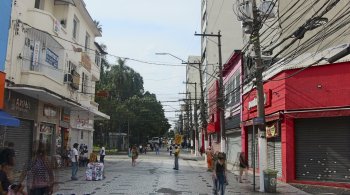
[(271, 131), (252, 105), (47, 128), (51, 58), (65, 115), (258, 121), (49, 111), (36, 53), (21, 105)]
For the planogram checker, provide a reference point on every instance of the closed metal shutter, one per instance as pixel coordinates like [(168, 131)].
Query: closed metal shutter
[(233, 147), (274, 157), (22, 137), (323, 149), (250, 147)]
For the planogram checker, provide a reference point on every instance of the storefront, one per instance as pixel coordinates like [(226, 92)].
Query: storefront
[(25, 109), (233, 137), (307, 125)]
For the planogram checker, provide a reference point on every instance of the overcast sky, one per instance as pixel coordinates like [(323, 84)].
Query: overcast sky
[(138, 29)]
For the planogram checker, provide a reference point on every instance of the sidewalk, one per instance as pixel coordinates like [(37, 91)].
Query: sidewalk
[(246, 187)]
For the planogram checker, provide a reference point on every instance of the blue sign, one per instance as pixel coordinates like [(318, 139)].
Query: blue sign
[(5, 18), (258, 121), (51, 58)]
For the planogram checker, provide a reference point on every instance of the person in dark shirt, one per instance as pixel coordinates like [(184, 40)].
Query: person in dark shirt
[(220, 174)]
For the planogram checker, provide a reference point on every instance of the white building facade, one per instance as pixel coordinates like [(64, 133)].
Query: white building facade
[(51, 68)]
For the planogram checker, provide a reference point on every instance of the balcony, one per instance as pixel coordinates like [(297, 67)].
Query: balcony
[(44, 21)]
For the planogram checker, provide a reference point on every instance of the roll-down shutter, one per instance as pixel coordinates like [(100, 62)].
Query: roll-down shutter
[(274, 157), (250, 147), (22, 137), (323, 149)]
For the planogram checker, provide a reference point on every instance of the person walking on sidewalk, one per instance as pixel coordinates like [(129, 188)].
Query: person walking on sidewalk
[(210, 155), (74, 159), (219, 174), (176, 154), (134, 155), (157, 149), (243, 165), (171, 150), (102, 155)]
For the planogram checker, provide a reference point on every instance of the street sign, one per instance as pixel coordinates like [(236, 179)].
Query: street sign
[(258, 121)]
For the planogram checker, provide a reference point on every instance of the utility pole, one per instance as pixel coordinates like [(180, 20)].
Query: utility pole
[(189, 123), (221, 98), (255, 38), (196, 144)]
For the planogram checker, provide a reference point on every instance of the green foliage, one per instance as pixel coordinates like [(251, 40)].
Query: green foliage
[(127, 105)]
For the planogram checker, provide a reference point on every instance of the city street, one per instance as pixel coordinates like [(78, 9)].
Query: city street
[(154, 175)]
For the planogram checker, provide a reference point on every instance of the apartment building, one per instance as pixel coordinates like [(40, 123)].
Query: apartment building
[(193, 94), (52, 65), (219, 16)]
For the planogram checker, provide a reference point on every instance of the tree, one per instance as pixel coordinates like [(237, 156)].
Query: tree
[(98, 26), (127, 105)]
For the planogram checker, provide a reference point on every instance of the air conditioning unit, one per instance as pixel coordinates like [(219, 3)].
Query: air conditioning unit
[(68, 78)]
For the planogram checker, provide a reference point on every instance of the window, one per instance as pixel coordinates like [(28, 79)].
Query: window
[(84, 83), (81, 134), (87, 41), (97, 58), (39, 4), (75, 27)]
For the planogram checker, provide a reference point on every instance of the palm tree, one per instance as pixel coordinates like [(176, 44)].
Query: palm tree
[(98, 25)]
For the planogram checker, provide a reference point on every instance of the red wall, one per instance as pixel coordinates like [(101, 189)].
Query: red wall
[(277, 98), (302, 91)]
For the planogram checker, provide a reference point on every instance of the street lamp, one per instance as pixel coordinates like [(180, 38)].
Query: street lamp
[(183, 61)]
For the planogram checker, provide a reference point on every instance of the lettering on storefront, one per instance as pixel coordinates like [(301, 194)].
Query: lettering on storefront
[(83, 124), (252, 105), (21, 105)]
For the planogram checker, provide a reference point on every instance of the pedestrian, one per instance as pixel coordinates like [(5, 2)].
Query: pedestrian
[(210, 155), (134, 155), (171, 150), (157, 149), (201, 150), (176, 154), (243, 165), (102, 155), (144, 149), (219, 174), (140, 147), (74, 159), (7, 161), (39, 172)]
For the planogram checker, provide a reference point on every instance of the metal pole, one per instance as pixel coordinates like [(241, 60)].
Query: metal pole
[(253, 156), (195, 121)]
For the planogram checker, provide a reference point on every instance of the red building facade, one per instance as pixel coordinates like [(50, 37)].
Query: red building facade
[(308, 124)]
